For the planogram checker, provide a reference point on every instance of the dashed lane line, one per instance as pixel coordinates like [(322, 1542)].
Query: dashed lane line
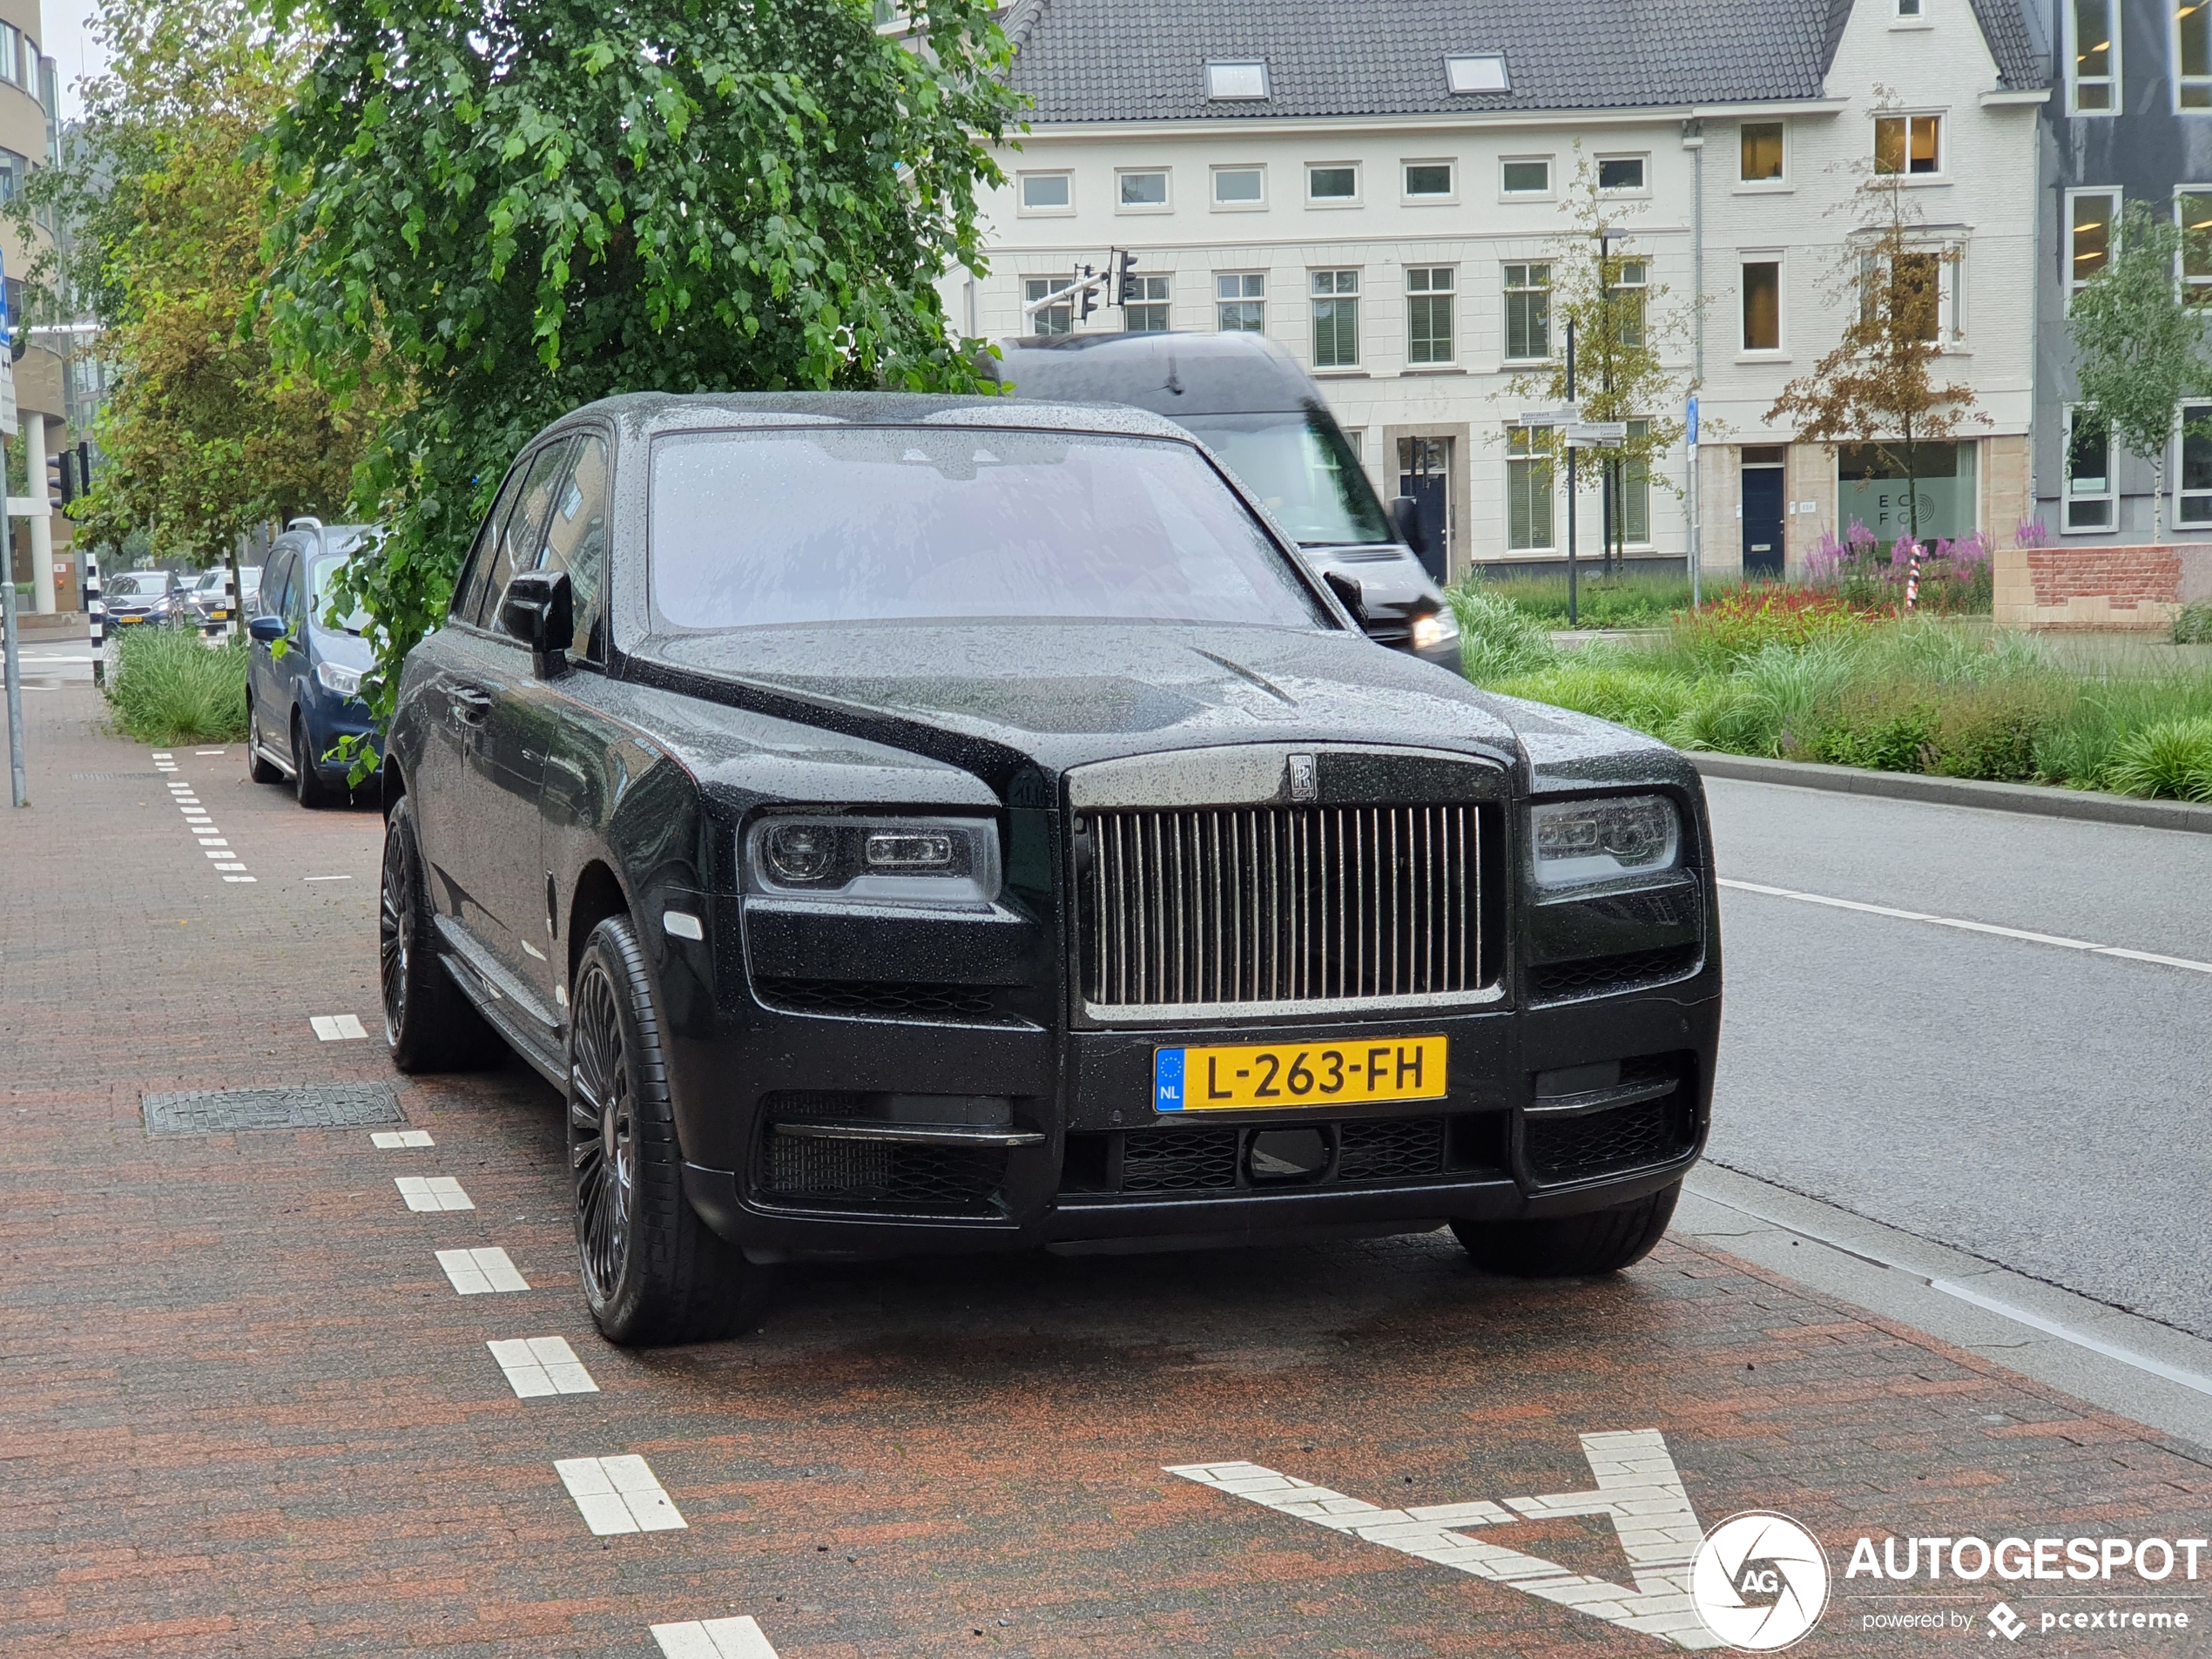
[(432, 1194), (618, 1494), (2057, 941), (391, 1140), (338, 1027), (537, 1366), (481, 1271), (713, 1639)]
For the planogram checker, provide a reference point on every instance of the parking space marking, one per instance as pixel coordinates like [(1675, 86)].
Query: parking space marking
[(713, 1639), (211, 751), (480, 1272), (326, 878), (537, 1366), (432, 1193), (238, 878), (335, 1027), (618, 1494), (392, 1139)]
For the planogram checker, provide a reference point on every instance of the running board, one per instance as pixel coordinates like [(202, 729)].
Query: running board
[(506, 1005), (282, 763)]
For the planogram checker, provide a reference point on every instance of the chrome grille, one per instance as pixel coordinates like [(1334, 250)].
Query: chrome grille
[(1281, 904)]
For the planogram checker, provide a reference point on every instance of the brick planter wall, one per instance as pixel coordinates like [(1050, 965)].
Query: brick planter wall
[(2082, 586)]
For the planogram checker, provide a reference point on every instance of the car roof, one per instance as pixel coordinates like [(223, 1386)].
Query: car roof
[(1168, 374), (647, 413)]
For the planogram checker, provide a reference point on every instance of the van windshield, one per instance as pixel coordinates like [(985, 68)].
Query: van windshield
[(1303, 471)]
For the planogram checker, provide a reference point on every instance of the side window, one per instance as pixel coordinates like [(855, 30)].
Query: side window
[(269, 600), (576, 541), (293, 605), (468, 590), (516, 547)]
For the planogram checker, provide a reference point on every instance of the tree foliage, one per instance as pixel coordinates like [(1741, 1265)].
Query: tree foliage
[(498, 212), (1879, 386), (2139, 343), (165, 207)]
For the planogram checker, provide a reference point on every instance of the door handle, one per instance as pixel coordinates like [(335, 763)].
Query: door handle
[(470, 704)]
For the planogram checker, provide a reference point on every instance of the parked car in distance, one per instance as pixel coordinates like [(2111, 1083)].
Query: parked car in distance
[(903, 823), (207, 591), (301, 702), (138, 596), (1254, 405)]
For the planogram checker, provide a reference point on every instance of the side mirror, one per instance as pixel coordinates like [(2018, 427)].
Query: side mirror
[(536, 609), (267, 630), (1405, 519), (1349, 594)]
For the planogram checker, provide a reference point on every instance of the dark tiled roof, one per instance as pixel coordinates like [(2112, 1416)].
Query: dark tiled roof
[(1136, 60)]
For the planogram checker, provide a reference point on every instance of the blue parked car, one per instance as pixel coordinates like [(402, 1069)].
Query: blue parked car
[(301, 703)]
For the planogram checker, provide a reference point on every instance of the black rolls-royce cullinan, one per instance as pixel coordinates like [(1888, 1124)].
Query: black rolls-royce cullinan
[(901, 824)]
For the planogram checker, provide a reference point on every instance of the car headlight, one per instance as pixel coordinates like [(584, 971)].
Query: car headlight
[(346, 682), (1434, 630), (899, 860), (1580, 841)]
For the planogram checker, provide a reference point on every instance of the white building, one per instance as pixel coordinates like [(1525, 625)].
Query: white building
[(1380, 190)]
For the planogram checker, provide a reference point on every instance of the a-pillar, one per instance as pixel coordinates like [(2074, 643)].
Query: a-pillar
[(38, 510)]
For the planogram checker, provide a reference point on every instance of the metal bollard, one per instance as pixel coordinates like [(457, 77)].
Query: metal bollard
[(96, 608)]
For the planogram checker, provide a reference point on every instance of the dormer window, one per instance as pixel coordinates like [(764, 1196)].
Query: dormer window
[(1484, 72), (1230, 81)]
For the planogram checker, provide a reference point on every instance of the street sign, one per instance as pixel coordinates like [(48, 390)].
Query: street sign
[(1690, 421), (1561, 416), (1596, 434)]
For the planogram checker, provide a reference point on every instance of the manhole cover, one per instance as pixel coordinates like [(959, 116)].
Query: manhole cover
[(221, 1111)]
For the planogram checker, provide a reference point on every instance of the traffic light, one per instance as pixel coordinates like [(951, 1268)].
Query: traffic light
[(57, 480), (1089, 291), (1124, 264), (84, 466)]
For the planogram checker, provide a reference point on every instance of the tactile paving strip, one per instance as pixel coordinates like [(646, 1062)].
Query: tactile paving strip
[(223, 1111)]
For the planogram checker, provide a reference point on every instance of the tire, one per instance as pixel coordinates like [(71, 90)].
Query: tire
[(653, 1272), (259, 769), (1603, 1241), (429, 1025), (308, 787)]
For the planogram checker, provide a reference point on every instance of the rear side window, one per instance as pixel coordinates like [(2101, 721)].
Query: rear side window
[(271, 598), (518, 540), (576, 541)]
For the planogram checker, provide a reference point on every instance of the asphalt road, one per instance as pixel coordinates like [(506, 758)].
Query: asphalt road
[(2040, 1106)]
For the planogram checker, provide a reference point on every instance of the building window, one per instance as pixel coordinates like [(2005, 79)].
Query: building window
[(1917, 295), (2091, 215), (1620, 173), (1528, 313), (2093, 46), (1528, 488), (1139, 193), (1429, 181), (1240, 303), (1527, 175), (1762, 305), (1048, 320), (1628, 513), (10, 53), (1908, 11), (1631, 287), (1908, 143), (1336, 319), (1485, 73), (1239, 187), (1048, 193), (1145, 309), (1760, 145), (2192, 55), (1235, 81), (2089, 492), (2193, 211), (1428, 313), (2193, 478), (1337, 183)]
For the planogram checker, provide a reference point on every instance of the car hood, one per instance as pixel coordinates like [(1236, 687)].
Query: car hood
[(992, 695)]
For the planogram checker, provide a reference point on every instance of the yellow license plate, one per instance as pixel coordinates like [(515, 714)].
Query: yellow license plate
[(1267, 1074)]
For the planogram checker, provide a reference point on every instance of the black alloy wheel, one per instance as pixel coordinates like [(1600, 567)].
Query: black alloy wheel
[(653, 1272), (428, 1024), (308, 787)]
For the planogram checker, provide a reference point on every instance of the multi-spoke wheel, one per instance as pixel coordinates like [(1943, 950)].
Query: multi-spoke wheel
[(653, 1270), (428, 1023)]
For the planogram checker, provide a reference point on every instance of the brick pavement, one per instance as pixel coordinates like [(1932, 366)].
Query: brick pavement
[(246, 1412)]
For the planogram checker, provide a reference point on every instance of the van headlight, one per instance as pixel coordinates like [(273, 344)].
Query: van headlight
[(1436, 629), (896, 860), (346, 682), (1580, 841)]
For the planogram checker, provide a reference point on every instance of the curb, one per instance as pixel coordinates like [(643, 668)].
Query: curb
[(2082, 804)]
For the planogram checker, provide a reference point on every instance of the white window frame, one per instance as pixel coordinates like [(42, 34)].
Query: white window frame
[(1451, 296), (1551, 179), (1359, 184), (1164, 300), (1507, 290), (1238, 80), (2200, 84), (1941, 117), (1242, 298), (2201, 284), (2111, 192), (1641, 287), (1021, 206), (1910, 14), (1433, 198), (2109, 497), (1641, 157), (1761, 187), (1548, 457), (1058, 280), (2181, 520), (1165, 205), (1213, 187), (1336, 296), (2110, 81), (1744, 259)]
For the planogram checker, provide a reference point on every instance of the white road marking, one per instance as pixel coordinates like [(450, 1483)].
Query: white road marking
[(211, 840), (432, 1192), (2059, 940), (211, 751), (239, 878), (478, 1272), (326, 878), (713, 1639), (161, 754), (335, 1027), (539, 1365), (392, 1139), (1638, 1489), (617, 1494), (230, 866)]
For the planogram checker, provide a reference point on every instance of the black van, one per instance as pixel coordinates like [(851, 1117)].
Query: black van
[(1250, 403)]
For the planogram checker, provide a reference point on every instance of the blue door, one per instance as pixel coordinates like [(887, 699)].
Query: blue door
[(1763, 523)]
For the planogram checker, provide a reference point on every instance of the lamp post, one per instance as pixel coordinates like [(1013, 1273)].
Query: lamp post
[(1573, 613)]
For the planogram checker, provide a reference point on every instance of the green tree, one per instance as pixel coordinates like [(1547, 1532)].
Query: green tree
[(2139, 343), (497, 212)]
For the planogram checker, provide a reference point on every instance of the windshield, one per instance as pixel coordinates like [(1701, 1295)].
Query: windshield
[(1301, 468), (322, 573), (211, 581), (143, 585), (852, 524)]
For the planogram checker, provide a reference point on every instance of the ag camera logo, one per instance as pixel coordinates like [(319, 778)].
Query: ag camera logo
[(1759, 1581)]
